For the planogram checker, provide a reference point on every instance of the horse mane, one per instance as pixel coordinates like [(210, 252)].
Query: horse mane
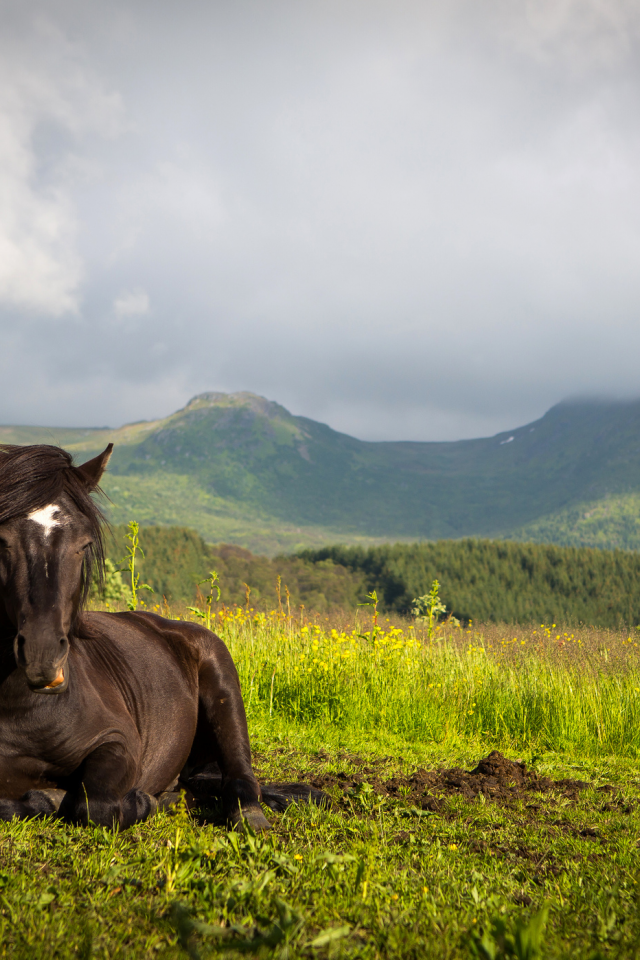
[(34, 476)]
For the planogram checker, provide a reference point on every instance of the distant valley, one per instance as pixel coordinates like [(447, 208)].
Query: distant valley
[(241, 469)]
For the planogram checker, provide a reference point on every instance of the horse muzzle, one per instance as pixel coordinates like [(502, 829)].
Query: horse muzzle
[(58, 685), (43, 675)]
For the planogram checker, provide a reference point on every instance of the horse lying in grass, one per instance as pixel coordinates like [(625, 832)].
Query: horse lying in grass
[(102, 714)]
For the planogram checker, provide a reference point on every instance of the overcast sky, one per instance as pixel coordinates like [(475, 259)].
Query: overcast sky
[(410, 220)]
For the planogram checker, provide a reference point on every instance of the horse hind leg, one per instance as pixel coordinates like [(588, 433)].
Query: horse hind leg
[(221, 749), (219, 768)]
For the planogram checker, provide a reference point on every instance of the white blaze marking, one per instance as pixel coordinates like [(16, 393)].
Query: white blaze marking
[(45, 517)]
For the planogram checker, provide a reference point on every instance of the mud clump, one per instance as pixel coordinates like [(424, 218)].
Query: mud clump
[(499, 768), (496, 778)]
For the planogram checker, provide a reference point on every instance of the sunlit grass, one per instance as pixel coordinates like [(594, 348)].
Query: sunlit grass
[(536, 689)]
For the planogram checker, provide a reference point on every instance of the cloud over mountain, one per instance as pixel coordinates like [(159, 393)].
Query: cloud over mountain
[(409, 220)]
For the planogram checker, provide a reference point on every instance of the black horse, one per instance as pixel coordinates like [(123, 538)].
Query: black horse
[(102, 714)]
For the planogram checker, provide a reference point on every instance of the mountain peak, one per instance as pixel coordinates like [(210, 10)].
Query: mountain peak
[(243, 398)]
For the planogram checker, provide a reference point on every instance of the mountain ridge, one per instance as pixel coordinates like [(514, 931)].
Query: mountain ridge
[(242, 468)]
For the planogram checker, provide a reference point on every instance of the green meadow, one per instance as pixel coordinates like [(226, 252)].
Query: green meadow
[(423, 852)]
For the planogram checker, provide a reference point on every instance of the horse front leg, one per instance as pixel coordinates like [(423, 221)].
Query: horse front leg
[(222, 739), (34, 803), (106, 795)]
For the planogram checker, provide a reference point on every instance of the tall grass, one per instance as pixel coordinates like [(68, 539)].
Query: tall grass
[(537, 690)]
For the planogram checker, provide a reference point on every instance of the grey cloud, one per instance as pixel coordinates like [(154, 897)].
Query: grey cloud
[(409, 220)]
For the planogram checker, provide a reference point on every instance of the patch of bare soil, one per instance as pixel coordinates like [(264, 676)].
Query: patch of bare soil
[(496, 778)]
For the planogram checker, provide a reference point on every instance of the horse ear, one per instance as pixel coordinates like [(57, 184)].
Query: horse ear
[(91, 471)]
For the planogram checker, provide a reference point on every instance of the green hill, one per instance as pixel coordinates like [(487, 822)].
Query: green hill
[(611, 523), (174, 560), (242, 469)]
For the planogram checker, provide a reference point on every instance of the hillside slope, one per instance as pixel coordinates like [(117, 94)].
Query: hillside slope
[(174, 560), (240, 468)]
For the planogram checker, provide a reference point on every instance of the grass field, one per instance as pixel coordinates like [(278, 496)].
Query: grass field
[(423, 852)]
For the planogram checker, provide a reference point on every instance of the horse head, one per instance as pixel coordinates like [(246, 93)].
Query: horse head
[(50, 541)]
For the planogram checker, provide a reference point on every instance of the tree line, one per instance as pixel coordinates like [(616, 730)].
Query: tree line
[(481, 580)]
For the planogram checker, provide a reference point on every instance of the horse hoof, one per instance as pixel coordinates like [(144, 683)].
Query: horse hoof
[(170, 799), (252, 817)]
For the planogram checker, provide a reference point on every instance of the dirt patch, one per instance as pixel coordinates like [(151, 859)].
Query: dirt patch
[(496, 778)]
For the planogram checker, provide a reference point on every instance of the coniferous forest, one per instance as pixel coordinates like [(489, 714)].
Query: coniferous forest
[(486, 580)]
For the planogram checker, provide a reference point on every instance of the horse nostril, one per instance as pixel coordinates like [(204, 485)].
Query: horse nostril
[(20, 657)]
